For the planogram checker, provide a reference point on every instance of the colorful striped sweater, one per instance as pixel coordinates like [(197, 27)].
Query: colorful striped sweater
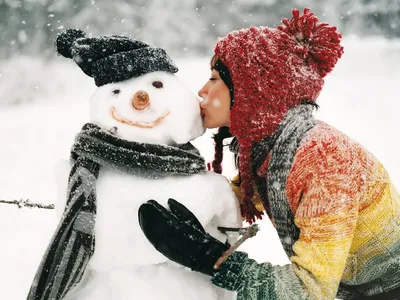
[(347, 214)]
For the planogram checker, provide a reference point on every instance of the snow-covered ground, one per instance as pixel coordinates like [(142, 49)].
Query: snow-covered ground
[(360, 97)]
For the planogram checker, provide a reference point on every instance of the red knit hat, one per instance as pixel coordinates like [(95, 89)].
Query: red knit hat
[(273, 70)]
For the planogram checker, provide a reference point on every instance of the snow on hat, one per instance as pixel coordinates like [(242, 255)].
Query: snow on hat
[(273, 70), (112, 58)]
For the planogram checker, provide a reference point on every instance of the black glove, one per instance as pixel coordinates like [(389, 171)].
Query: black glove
[(178, 235)]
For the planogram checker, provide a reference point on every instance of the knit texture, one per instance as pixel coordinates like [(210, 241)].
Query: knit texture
[(73, 243), (273, 70), (289, 133), (258, 281), (145, 160), (346, 213), (112, 58)]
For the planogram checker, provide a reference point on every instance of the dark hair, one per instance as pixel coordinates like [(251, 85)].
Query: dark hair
[(223, 132), (218, 65)]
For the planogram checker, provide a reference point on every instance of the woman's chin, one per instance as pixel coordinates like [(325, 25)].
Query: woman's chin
[(211, 124), (208, 124)]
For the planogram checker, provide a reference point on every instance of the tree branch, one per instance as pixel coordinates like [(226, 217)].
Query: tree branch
[(26, 203), (246, 233)]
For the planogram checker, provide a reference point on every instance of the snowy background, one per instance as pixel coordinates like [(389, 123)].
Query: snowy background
[(360, 97), (184, 27), (44, 103)]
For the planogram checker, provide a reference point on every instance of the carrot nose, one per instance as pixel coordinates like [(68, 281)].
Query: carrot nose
[(141, 100)]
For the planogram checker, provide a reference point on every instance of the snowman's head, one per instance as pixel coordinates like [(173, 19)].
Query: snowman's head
[(153, 108)]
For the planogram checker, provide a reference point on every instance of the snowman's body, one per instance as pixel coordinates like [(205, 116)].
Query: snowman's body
[(125, 265)]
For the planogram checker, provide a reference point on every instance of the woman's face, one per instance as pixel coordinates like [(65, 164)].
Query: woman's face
[(216, 104)]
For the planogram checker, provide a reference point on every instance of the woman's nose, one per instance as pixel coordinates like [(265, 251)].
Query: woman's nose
[(202, 100), (202, 92)]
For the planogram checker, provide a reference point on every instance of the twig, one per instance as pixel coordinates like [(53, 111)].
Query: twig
[(26, 203), (246, 233)]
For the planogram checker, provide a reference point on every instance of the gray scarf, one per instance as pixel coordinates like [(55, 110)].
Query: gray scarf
[(282, 146), (72, 245)]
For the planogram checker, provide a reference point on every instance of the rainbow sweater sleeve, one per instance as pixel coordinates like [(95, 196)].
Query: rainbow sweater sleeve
[(347, 212)]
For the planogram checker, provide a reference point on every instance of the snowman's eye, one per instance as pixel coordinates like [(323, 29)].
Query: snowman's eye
[(158, 84), (116, 91)]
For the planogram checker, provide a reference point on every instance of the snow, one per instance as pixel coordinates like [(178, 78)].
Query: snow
[(122, 252), (360, 98), (216, 103)]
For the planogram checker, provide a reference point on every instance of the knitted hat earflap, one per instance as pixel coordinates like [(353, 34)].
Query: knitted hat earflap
[(247, 207)]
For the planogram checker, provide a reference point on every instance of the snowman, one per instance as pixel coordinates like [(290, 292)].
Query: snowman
[(135, 148)]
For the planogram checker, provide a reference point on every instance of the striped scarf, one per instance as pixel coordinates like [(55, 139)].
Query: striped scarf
[(73, 243)]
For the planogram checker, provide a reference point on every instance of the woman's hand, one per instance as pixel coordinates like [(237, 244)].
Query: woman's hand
[(178, 235)]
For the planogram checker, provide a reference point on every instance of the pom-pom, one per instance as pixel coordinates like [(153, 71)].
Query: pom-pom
[(312, 40), (66, 39)]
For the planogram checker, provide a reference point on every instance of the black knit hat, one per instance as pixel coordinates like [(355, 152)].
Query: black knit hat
[(112, 58)]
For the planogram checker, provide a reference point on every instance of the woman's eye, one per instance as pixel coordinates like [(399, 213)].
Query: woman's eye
[(158, 84), (116, 92), (213, 79)]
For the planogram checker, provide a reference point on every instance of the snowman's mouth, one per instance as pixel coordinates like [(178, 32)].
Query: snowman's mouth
[(140, 124)]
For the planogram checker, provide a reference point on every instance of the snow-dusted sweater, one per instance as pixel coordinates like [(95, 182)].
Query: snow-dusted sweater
[(339, 223)]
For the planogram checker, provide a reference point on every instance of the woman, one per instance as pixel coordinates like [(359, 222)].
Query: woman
[(332, 203)]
